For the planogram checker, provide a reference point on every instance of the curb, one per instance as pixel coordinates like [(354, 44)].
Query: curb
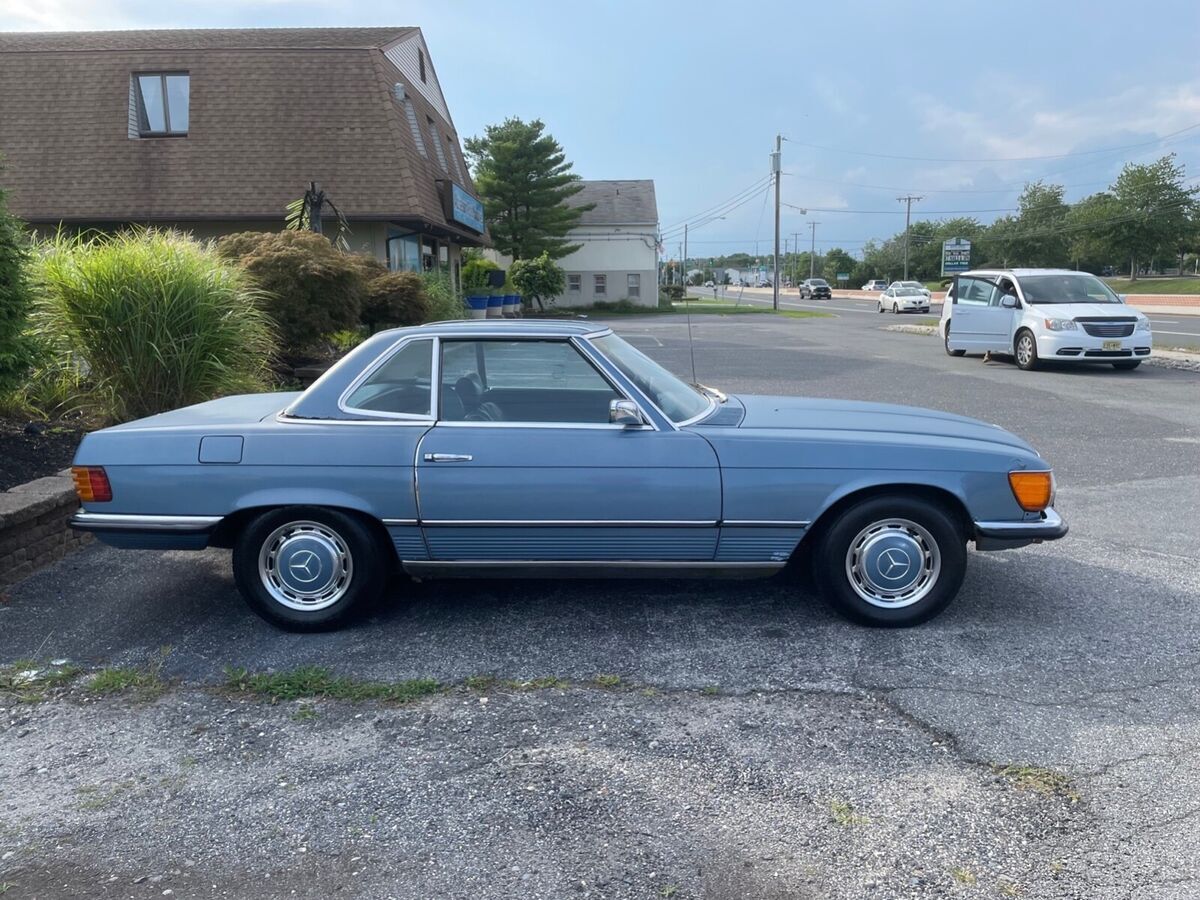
[(33, 526)]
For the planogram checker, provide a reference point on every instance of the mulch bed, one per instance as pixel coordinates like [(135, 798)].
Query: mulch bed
[(30, 450)]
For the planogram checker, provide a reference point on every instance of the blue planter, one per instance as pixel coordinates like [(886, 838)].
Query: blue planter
[(495, 306), (478, 306)]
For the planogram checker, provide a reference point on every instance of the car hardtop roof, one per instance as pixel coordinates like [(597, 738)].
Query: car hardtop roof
[(1021, 272), (568, 328)]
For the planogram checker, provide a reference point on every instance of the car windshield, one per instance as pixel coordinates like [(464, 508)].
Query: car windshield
[(678, 400), (911, 284), (907, 292), (1067, 287), (819, 282)]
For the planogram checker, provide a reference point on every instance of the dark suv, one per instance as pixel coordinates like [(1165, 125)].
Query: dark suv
[(815, 288)]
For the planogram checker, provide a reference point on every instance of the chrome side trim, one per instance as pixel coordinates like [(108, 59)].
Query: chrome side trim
[(415, 565), (764, 523), (399, 521), (381, 360), (90, 521), (571, 523), (456, 423), (297, 420)]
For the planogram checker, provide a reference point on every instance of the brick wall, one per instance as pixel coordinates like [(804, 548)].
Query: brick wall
[(33, 526)]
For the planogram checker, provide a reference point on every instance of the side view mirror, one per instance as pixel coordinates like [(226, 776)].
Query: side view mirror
[(1008, 301), (625, 413)]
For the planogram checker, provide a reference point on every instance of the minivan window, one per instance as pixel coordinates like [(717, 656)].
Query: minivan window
[(1067, 287)]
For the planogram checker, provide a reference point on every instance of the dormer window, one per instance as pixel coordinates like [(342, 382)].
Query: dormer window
[(162, 103)]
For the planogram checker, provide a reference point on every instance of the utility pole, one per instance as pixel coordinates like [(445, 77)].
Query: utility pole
[(812, 253), (776, 171), (685, 253), (796, 250), (682, 266), (907, 222)]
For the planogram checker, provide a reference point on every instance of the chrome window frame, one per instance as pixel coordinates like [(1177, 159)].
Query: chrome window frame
[(673, 425), (378, 363), (581, 347)]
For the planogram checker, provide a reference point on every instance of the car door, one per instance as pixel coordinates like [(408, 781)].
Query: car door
[(974, 322), (523, 465)]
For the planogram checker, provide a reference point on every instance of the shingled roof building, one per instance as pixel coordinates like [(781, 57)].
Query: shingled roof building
[(618, 256), (216, 131)]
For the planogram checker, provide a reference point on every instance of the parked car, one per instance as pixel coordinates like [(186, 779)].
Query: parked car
[(1040, 314), (916, 285), (877, 284), (811, 288), (708, 283), (557, 447), (903, 299)]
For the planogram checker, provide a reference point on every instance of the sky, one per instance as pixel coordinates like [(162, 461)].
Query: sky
[(692, 94)]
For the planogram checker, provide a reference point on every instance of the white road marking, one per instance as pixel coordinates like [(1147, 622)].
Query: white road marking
[(1184, 333), (1165, 321)]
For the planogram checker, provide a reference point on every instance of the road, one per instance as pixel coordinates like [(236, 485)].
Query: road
[(1170, 329), (1040, 739)]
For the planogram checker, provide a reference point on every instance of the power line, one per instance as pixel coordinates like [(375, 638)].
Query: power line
[(984, 159), (753, 190)]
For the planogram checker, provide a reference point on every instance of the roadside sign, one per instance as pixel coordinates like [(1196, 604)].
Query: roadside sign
[(843, 276), (956, 256)]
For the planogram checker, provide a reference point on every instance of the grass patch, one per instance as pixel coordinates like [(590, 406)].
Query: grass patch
[(146, 681), (538, 684), (1008, 888), (6, 886), (842, 812), (710, 690), (1155, 285), (963, 876), (27, 681), (931, 323), (94, 797), (311, 682), (607, 681), (479, 682), (1043, 781)]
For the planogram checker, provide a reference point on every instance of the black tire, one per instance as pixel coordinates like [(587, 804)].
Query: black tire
[(834, 571), (1127, 364), (946, 343), (346, 553), (881, 307), (895, 309), (1027, 355)]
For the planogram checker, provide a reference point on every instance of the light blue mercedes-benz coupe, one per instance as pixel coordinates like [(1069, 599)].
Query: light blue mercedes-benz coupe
[(556, 448)]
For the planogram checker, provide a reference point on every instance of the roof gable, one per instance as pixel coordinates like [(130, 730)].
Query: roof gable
[(617, 203)]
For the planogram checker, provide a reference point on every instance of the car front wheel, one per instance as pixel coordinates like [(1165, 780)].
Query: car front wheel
[(1025, 351), (891, 561), (895, 310), (308, 568)]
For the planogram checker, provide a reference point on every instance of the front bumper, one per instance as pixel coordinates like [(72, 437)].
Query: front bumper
[(1007, 535), (1081, 346), (147, 532)]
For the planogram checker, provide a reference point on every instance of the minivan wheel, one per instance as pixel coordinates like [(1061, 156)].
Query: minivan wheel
[(891, 561), (308, 568), (946, 343), (1025, 350)]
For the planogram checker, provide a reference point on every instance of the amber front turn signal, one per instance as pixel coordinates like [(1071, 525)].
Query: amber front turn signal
[(1034, 490), (91, 484)]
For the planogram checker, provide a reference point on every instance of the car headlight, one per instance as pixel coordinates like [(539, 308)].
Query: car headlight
[(1143, 325), (1060, 324)]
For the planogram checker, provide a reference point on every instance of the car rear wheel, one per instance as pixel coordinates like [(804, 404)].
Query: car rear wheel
[(1025, 350), (1127, 364), (308, 568), (946, 342), (891, 561), (895, 310)]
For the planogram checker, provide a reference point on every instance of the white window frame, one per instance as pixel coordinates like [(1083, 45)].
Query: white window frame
[(633, 285), (574, 283), (600, 285)]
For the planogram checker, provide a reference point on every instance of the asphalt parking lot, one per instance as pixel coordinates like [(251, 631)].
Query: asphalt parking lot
[(1040, 739)]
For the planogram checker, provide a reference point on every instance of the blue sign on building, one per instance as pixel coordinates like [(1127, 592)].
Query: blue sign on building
[(465, 209)]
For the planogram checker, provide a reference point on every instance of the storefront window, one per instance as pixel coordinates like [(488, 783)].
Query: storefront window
[(403, 253)]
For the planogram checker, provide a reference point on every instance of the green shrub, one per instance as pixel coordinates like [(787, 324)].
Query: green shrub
[(312, 289), (146, 321), (624, 305), (390, 299), (444, 302), (538, 279), (675, 293), (475, 271), (16, 348)]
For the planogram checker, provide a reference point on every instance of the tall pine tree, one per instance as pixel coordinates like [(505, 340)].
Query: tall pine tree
[(524, 180)]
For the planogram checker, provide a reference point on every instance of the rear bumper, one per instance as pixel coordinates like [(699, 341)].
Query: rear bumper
[(147, 532), (1006, 535)]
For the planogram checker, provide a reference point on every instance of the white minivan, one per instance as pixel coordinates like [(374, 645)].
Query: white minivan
[(1042, 314)]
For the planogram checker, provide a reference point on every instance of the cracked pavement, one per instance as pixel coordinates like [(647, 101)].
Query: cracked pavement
[(757, 745)]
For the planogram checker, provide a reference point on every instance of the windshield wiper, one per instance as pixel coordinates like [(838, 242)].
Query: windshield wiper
[(719, 396)]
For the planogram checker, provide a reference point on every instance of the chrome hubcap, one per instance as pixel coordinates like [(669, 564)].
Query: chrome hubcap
[(305, 566), (1024, 350), (893, 563)]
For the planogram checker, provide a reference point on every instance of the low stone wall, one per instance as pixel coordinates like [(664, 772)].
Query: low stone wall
[(33, 526)]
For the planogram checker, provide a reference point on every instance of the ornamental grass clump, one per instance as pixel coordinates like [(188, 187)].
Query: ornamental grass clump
[(152, 320)]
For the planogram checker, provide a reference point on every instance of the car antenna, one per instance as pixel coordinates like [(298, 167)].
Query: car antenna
[(691, 344)]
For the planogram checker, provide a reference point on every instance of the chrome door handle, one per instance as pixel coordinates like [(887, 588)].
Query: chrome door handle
[(448, 457)]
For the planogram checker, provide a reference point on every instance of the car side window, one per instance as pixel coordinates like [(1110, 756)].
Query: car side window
[(542, 381), (401, 386), (974, 292)]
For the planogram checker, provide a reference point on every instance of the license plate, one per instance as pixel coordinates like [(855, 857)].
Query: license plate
[(1112, 345)]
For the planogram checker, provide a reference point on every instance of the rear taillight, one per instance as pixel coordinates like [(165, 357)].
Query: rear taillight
[(91, 484)]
